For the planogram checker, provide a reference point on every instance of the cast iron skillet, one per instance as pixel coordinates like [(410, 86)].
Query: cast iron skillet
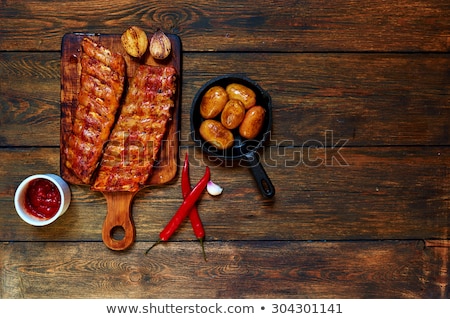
[(243, 150)]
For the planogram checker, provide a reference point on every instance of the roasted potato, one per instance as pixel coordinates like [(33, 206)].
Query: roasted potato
[(253, 122), (242, 93), (233, 113), (213, 102), (216, 134)]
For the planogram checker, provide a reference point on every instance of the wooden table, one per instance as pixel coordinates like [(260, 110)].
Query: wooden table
[(359, 154)]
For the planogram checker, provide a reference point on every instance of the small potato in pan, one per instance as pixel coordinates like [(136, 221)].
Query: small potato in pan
[(213, 102), (233, 114)]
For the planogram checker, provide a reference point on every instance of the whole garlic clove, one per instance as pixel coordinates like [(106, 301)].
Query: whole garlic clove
[(213, 189), (160, 46), (135, 41)]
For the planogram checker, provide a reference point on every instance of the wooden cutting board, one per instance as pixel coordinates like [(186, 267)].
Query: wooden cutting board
[(118, 218)]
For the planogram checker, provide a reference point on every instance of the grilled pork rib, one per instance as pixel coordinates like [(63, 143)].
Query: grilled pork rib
[(136, 138), (101, 88)]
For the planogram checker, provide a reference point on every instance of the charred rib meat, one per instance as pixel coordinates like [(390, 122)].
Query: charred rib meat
[(136, 138), (101, 88)]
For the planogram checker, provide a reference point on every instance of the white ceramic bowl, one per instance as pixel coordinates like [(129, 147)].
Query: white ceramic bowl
[(20, 198)]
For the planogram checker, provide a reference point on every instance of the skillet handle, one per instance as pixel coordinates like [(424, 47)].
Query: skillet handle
[(259, 174)]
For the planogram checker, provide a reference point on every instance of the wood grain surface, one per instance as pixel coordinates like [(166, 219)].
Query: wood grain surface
[(282, 25), (233, 270), (359, 154)]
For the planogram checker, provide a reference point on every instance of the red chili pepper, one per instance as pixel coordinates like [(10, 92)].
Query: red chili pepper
[(184, 209), (196, 222)]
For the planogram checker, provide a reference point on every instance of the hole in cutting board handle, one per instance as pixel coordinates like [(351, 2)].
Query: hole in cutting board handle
[(118, 221), (117, 233)]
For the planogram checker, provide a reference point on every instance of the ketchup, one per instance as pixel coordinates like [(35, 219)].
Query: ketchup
[(42, 199)]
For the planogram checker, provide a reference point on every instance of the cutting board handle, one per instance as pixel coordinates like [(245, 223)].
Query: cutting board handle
[(118, 219)]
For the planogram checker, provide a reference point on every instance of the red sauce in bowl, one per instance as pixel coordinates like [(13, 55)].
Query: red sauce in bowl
[(42, 199)]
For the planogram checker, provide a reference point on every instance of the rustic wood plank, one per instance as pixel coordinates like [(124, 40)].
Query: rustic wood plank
[(341, 25), (390, 269), (29, 99), (365, 99), (322, 194)]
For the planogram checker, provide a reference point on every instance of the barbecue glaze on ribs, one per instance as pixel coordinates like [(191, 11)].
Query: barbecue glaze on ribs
[(135, 140), (101, 87)]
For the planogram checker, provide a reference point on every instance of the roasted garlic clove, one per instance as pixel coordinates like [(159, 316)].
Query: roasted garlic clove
[(135, 41), (160, 45)]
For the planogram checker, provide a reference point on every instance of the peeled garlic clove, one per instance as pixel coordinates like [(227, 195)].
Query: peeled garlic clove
[(213, 189), (135, 41), (160, 45)]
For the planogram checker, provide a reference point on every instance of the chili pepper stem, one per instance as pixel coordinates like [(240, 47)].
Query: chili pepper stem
[(202, 243), (156, 243)]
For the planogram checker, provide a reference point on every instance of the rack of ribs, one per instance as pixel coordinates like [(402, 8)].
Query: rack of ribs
[(135, 140), (101, 88)]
